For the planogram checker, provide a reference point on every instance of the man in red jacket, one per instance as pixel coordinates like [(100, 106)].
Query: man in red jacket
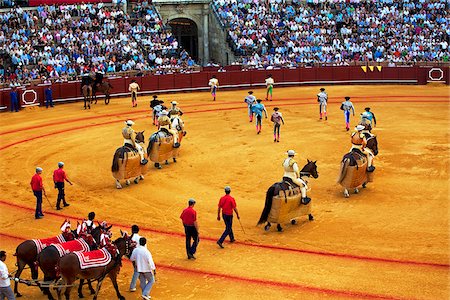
[(227, 204), (38, 187), (59, 176), (189, 218)]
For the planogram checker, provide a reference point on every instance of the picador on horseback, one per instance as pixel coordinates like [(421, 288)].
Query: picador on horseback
[(292, 174), (129, 140), (165, 125), (359, 142)]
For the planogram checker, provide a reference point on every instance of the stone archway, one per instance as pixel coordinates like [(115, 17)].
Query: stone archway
[(186, 32)]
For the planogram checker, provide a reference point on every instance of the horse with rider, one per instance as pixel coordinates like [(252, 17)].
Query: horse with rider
[(287, 200)]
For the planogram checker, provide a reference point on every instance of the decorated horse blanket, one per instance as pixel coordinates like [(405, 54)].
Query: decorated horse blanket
[(287, 205), (93, 259), (161, 147), (356, 173), (72, 246), (42, 243)]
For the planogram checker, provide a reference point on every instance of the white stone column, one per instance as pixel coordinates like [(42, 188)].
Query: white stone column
[(205, 35)]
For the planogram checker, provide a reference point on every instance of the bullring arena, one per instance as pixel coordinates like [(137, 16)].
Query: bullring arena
[(390, 241)]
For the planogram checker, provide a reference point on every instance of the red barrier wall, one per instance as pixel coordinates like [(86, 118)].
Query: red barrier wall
[(70, 91)]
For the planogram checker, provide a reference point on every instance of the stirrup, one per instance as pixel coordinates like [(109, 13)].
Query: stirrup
[(306, 200)]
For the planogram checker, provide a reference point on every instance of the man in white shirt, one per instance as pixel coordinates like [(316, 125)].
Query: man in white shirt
[(322, 98), (5, 285), (142, 259), (213, 84), (135, 237), (250, 100), (269, 87)]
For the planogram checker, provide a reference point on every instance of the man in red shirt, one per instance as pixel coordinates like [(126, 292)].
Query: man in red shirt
[(227, 204), (38, 188), (59, 176), (189, 218)]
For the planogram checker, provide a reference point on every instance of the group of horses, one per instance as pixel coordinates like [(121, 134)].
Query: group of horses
[(61, 270), (283, 199), (90, 90), (126, 164)]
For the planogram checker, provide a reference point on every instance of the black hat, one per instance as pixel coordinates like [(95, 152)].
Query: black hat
[(250, 92), (91, 215), (155, 96), (134, 229), (275, 108), (258, 100), (347, 98), (367, 108), (322, 89)]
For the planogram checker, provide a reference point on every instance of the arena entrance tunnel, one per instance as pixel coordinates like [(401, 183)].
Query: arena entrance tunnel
[(186, 33)]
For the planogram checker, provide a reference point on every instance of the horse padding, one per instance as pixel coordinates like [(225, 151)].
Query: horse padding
[(285, 208), (163, 150), (356, 175), (130, 167)]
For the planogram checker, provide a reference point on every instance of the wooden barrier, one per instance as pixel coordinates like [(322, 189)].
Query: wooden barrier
[(70, 91)]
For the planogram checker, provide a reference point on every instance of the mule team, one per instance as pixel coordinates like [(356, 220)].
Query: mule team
[(285, 201)]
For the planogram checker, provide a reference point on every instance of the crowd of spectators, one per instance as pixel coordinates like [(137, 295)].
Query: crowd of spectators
[(65, 41), (277, 33)]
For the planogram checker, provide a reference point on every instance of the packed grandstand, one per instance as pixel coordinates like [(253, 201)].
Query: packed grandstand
[(61, 42)]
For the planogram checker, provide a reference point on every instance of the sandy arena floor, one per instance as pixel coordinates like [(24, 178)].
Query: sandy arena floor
[(390, 241)]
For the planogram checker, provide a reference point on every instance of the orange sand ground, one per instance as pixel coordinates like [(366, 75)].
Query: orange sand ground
[(403, 215)]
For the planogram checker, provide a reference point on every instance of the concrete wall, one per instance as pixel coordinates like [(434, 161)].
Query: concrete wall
[(220, 51), (197, 11)]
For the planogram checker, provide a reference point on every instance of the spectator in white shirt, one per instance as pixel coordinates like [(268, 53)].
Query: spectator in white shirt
[(5, 285), (143, 261), (135, 238)]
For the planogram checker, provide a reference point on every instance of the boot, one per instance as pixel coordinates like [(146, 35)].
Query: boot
[(306, 200)]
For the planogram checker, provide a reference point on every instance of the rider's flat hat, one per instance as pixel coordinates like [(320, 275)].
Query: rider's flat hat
[(360, 127), (174, 102), (164, 113), (291, 152), (129, 122)]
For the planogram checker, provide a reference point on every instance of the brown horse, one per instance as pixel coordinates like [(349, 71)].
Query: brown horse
[(86, 90), (161, 147), (103, 87), (49, 257), (70, 269), (27, 253), (126, 163), (289, 199), (353, 172)]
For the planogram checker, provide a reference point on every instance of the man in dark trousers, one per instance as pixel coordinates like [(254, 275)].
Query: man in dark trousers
[(189, 218), (48, 97), (59, 176), (227, 204), (14, 95), (38, 188)]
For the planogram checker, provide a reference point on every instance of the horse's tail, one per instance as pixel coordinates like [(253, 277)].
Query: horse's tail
[(343, 171), (267, 205), (115, 162), (152, 140)]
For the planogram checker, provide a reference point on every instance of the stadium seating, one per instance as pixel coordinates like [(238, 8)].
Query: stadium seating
[(62, 42), (340, 32)]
